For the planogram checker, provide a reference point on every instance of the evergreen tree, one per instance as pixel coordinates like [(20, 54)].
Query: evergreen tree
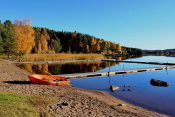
[(1, 42), (9, 39), (57, 45), (37, 40), (1, 45)]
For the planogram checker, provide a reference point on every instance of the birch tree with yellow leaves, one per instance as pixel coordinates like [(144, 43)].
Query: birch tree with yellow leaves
[(43, 43), (93, 42), (24, 36), (118, 48)]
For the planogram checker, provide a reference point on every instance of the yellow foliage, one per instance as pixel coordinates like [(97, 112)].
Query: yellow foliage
[(87, 47), (24, 36), (61, 57), (97, 47), (118, 47), (93, 44), (39, 48), (44, 69), (46, 35), (100, 41), (29, 68), (119, 58), (113, 45), (43, 42), (39, 66), (93, 68)]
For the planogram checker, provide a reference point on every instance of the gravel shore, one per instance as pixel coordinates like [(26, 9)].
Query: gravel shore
[(72, 102)]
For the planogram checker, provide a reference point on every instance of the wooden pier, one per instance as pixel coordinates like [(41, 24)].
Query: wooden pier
[(123, 71), (116, 72), (155, 63)]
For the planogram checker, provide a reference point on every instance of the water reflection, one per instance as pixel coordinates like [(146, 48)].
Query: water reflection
[(66, 68)]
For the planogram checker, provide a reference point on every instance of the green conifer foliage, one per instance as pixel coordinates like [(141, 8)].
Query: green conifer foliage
[(9, 39)]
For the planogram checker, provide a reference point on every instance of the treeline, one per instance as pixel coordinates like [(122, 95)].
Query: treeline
[(20, 38), (133, 51)]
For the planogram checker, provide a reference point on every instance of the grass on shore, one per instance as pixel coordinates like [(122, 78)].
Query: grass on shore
[(61, 57), (13, 105)]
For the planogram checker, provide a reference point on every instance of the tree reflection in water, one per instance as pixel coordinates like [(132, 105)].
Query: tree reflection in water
[(66, 68)]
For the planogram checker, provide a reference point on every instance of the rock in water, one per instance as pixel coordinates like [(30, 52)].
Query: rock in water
[(155, 82), (113, 88), (129, 89)]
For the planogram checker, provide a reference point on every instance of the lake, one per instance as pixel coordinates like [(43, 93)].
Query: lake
[(143, 94)]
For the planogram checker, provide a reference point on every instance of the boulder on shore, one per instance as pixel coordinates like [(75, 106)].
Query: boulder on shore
[(113, 88), (155, 82)]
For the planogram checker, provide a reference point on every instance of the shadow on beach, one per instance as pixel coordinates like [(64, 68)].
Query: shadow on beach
[(17, 82)]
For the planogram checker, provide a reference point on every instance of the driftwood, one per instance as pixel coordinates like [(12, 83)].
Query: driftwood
[(155, 82)]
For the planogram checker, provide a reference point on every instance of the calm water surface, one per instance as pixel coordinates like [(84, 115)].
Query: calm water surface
[(143, 94)]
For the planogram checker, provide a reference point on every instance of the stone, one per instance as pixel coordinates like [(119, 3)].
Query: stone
[(122, 105), (64, 103), (113, 88), (155, 82)]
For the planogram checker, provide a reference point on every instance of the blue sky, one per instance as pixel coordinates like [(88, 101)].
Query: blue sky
[(144, 24)]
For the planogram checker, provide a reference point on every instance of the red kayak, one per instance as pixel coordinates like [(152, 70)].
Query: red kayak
[(48, 79)]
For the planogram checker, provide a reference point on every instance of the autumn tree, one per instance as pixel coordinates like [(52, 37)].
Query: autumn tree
[(43, 43), (112, 46), (39, 48), (87, 48), (118, 48), (24, 36), (97, 45), (46, 35), (93, 43)]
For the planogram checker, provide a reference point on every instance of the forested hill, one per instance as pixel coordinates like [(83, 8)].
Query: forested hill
[(20, 38)]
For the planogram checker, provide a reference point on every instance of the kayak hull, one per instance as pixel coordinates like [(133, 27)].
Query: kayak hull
[(48, 79)]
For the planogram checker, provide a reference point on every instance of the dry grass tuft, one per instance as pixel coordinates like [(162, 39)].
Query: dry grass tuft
[(61, 57)]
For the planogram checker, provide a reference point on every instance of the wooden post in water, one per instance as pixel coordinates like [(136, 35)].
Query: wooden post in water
[(167, 68), (109, 72), (109, 68)]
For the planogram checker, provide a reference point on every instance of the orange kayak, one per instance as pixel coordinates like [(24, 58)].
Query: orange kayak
[(48, 79)]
